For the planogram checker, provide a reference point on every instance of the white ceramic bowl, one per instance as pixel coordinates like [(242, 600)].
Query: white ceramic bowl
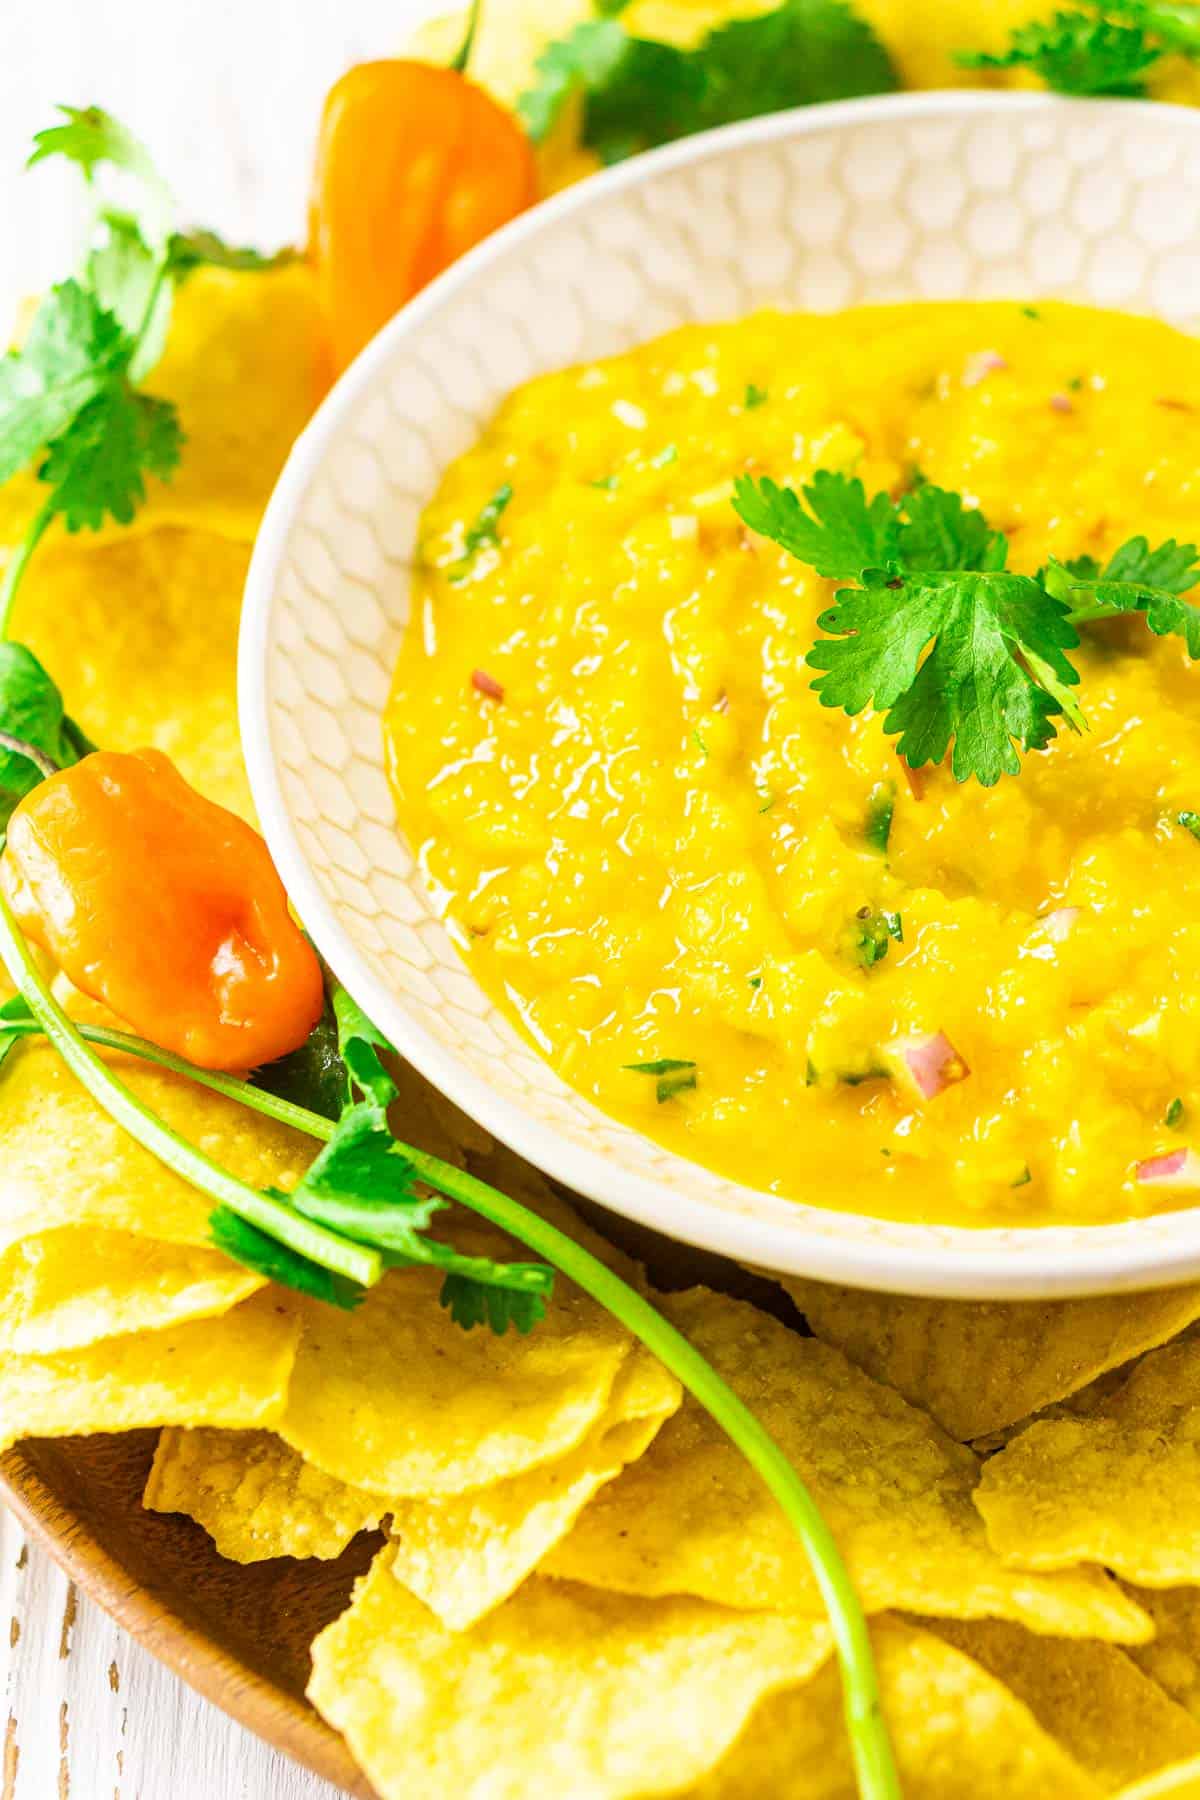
[(916, 196)]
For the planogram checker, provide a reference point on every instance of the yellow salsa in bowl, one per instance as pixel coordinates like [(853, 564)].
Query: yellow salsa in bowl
[(735, 918)]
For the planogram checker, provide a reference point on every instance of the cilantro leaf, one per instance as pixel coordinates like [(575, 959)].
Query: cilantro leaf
[(839, 535), (484, 530), (938, 531), (96, 467), (937, 652), (72, 348), (126, 277), (360, 1043), (953, 648), (638, 92), (315, 1075), (1077, 53), (472, 1302), (881, 810), (31, 710), (362, 1165), (364, 1186), (1136, 579), (1097, 46), (674, 1076), (254, 1249), (91, 138), (804, 52)]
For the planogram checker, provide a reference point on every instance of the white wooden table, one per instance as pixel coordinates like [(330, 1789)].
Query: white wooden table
[(227, 94)]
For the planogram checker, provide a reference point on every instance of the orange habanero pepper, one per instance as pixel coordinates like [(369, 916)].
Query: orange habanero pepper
[(164, 906), (415, 165)]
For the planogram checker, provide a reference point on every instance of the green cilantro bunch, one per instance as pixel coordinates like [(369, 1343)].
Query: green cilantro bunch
[(961, 655), (1098, 48), (638, 92), (71, 402)]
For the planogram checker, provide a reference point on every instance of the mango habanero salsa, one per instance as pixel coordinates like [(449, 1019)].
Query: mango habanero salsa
[(655, 845)]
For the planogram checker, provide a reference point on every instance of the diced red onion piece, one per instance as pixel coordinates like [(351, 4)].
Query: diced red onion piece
[(982, 364), (1176, 1169), (927, 1065), (1061, 403), (487, 685)]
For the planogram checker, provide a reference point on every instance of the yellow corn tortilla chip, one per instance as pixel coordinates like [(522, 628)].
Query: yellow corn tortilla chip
[(256, 1498), (440, 1409), (141, 637), (562, 1690), (65, 1162), (1115, 1722), (958, 1734), (465, 1554), (1118, 1486), (242, 365), (423, 1117), (65, 1289), (979, 1366), (692, 1517), (1172, 1658), (230, 1371), (1182, 1782)]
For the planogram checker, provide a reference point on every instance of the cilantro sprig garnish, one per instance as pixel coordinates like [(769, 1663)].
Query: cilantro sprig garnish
[(962, 655), (638, 92), (1096, 48), (364, 1186), (1135, 579), (71, 401)]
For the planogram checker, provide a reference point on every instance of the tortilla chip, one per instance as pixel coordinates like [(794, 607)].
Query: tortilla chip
[(1117, 1486), (1182, 1782), (1173, 1658), (958, 1734), (141, 636), (562, 1690), (423, 1117), (464, 1555), (65, 1289), (231, 1371), (398, 1399), (978, 1366), (241, 364), (256, 1498), (692, 1516), (65, 1162), (1092, 1699)]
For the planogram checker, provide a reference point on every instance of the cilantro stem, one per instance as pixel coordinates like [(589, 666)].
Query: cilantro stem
[(275, 1217), (869, 1741), (20, 559), (870, 1744)]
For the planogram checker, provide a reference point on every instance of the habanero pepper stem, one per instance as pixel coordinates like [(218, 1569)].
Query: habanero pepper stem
[(459, 65), (356, 1261), (869, 1741)]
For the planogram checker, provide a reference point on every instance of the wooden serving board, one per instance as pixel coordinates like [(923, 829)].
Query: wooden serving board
[(239, 1635)]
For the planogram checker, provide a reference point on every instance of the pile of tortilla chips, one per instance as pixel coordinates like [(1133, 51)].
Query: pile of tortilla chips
[(583, 1588)]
